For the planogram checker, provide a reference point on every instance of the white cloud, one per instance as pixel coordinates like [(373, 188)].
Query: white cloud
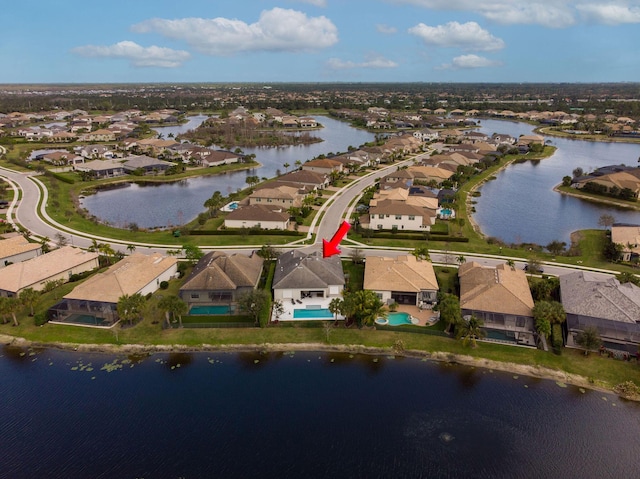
[(469, 36), (549, 13), (469, 61), (139, 56), (370, 62), (386, 29), (317, 3), (276, 30), (610, 14)]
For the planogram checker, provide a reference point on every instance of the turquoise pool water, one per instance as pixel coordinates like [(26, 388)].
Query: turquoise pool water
[(397, 319), (445, 212), (233, 206), (210, 310), (320, 313)]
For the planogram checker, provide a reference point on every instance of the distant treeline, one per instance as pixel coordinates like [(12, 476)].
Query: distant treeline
[(588, 98)]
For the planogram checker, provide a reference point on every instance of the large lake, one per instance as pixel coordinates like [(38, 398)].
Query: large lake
[(305, 415), (176, 203), (521, 206)]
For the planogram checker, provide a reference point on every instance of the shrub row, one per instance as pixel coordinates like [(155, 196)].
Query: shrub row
[(420, 237), (60, 177), (236, 232)]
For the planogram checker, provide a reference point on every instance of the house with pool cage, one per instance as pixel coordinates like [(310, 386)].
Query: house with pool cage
[(218, 280), (501, 298), (94, 302)]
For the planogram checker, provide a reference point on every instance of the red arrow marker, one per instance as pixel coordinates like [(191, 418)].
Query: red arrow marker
[(329, 248)]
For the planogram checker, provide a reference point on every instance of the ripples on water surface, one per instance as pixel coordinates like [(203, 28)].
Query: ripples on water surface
[(300, 415)]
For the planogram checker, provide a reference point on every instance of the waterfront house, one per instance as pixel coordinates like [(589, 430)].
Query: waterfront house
[(299, 275), (612, 308), (36, 272), (220, 279), (403, 280), (268, 217), (146, 164), (102, 168), (62, 157), (283, 196), (627, 236), (501, 298), (95, 301), (323, 167), (17, 248), (306, 179)]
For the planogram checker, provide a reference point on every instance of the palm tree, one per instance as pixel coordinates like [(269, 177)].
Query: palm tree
[(131, 248), (4, 309), (214, 203), (94, 246), (298, 163), (461, 259), (470, 331), (130, 307), (511, 264), (286, 167), (174, 306), (335, 306), (29, 297), (107, 251)]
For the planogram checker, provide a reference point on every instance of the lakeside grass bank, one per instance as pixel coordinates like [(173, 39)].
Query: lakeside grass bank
[(572, 367)]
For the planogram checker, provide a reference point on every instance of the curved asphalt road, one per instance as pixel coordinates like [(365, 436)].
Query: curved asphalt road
[(329, 217)]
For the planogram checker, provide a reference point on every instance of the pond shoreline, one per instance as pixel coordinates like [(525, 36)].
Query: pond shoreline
[(562, 378)]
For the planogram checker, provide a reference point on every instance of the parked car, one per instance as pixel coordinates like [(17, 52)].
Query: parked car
[(4, 204), (536, 269)]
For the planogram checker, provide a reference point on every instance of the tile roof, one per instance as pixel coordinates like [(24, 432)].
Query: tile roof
[(259, 213), (218, 271), (18, 276), (128, 276), (16, 245), (500, 290), (402, 274)]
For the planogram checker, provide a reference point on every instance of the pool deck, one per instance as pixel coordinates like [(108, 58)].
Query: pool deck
[(289, 307), (425, 317)]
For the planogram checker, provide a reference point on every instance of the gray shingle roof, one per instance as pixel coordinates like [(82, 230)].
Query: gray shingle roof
[(295, 270), (586, 294)]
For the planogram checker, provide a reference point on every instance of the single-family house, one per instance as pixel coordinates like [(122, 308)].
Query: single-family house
[(403, 280), (501, 298), (308, 179), (36, 272), (99, 135), (323, 166), (627, 236), (283, 196), (16, 249), (146, 164), (612, 308), (398, 215), (62, 157), (102, 168), (426, 134), (94, 302), (299, 275), (220, 279), (268, 217)]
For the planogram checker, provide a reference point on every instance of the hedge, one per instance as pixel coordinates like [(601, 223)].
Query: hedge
[(419, 237), (62, 178), (237, 232)]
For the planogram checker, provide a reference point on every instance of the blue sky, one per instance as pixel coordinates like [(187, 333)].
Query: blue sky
[(47, 41)]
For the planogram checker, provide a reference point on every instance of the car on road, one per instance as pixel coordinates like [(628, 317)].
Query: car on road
[(534, 270)]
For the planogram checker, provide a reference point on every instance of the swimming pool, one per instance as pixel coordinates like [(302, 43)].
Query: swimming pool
[(319, 313), (209, 309), (397, 319)]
